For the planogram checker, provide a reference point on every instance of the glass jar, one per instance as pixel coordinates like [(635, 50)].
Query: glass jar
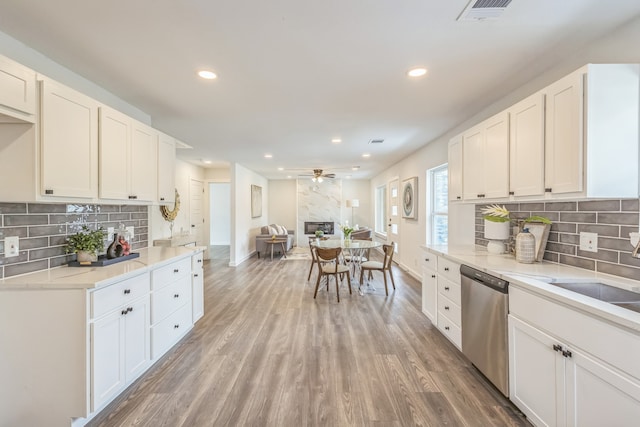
[(525, 247)]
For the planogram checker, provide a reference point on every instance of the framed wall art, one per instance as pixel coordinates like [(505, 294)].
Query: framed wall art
[(409, 201), (256, 201)]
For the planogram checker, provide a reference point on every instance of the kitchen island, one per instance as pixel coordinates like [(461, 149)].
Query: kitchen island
[(73, 338), (572, 358)]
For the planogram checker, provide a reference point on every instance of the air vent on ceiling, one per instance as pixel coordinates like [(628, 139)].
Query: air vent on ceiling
[(480, 10), (376, 141)]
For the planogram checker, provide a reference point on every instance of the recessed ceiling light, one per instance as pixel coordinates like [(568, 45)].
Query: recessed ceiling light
[(289, 176), (417, 72), (336, 141), (268, 156), (206, 162), (206, 74), (280, 169), (348, 176), (366, 155)]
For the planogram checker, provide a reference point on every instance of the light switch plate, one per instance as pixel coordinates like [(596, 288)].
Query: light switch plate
[(589, 242), (11, 246)]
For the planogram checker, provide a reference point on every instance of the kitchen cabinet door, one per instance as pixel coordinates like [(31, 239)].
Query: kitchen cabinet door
[(17, 91), (564, 159), (69, 142), (107, 354), (496, 157), (526, 147), (429, 294), (198, 294), (535, 370), (590, 384), (455, 168), (166, 169), (115, 140), (137, 343), (144, 163), (473, 163)]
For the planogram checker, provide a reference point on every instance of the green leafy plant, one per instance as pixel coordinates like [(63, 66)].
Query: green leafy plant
[(495, 213), (346, 230), (537, 218), (86, 240)]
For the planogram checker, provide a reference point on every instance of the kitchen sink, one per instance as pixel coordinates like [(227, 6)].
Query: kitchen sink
[(603, 292)]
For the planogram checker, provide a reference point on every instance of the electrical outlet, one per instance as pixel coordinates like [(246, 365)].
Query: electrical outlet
[(11, 246), (110, 231), (589, 242), (130, 231)]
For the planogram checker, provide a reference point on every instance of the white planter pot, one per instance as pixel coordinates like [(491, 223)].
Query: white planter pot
[(496, 230)]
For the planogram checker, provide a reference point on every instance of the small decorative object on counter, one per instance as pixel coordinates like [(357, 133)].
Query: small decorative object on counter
[(525, 247), (496, 228), (126, 247), (115, 248), (86, 243)]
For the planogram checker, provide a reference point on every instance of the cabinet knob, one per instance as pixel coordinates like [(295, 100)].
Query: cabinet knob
[(129, 309), (195, 275), (446, 307), (162, 199), (176, 326), (199, 260), (446, 269), (176, 270), (566, 353), (547, 190), (557, 347), (458, 197), (127, 291), (433, 276), (446, 288), (426, 259), (446, 328), (123, 312), (176, 295)]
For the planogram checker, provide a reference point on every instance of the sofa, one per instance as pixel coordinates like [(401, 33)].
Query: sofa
[(266, 233)]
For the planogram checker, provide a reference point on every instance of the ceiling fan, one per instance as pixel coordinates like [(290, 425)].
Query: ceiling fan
[(318, 176)]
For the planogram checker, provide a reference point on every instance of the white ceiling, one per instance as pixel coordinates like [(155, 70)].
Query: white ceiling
[(293, 74)]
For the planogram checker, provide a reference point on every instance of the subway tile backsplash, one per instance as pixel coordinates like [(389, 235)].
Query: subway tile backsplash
[(613, 220), (43, 228)]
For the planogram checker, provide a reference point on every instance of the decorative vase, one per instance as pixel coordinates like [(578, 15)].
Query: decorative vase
[(86, 256), (496, 233), (525, 247), (115, 248)]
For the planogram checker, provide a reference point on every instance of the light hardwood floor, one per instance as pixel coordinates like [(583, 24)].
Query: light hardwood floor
[(267, 354)]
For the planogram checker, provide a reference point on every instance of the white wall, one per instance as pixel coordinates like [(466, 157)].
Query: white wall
[(220, 213), (357, 189), (159, 228), (282, 202), (217, 174), (243, 227)]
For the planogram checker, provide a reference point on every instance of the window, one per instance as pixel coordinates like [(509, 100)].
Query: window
[(438, 209), (381, 210)]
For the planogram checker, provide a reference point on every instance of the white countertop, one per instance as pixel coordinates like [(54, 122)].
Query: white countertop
[(66, 277), (537, 277)]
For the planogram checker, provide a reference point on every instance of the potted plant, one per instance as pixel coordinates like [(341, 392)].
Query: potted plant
[(496, 227), (86, 243)]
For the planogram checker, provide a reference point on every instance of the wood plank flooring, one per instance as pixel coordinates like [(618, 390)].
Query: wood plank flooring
[(267, 354)]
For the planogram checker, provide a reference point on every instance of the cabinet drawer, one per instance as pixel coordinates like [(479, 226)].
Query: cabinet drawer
[(166, 300), (197, 260), (449, 309), (450, 290), (111, 297), (170, 273), (450, 330), (449, 269), (167, 332), (430, 261)]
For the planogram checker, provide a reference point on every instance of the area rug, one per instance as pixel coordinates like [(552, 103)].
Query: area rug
[(297, 254)]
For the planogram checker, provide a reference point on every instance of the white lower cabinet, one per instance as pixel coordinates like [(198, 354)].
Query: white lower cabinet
[(197, 283), (555, 383), (120, 346), (441, 295)]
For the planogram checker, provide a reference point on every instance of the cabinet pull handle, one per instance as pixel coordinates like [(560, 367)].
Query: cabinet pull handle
[(133, 197), (48, 191), (176, 326), (426, 259), (127, 291), (123, 312), (512, 193), (566, 353), (199, 260), (458, 197), (446, 328), (557, 347), (446, 307), (446, 269), (433, 276), (176, 295), (195, 275), (162, 199), (446, 288), (130, 309), (176, 270), (547, 190)]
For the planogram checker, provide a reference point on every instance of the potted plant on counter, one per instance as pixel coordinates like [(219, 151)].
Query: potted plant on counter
[(496, 228), (86, 243)]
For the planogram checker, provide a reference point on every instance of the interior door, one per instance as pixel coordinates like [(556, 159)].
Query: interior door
[(196, 211), (394, 212)]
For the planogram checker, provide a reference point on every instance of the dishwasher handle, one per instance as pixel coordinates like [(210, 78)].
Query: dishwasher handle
[(485, 279)]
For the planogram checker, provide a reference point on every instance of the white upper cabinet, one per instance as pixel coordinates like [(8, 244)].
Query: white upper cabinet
[(17, 92), (68, 142), (591, 132), (455, 168), (526, 147), (166, 169), (128, 155), (485, 162)]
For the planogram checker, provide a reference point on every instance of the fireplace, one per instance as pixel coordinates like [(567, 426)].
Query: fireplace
[(311, 227)]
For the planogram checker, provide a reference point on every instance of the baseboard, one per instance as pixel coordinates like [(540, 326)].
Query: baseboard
[(237, 263)]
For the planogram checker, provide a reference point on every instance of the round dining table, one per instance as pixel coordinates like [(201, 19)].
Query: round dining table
[(356, 248)]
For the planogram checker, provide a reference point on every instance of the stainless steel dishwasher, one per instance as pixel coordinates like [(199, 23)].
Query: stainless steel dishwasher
[(485, 305)]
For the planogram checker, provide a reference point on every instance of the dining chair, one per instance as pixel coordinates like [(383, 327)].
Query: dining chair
[(329, 264), (314, 261), (384, 266)]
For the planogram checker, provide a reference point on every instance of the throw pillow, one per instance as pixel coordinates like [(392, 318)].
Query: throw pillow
[(284, 230), (272, 230)]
